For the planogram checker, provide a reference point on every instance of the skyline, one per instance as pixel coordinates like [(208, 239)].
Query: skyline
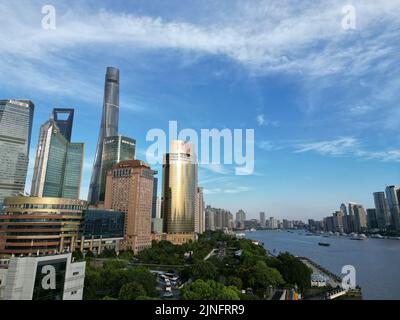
[(317, 155)]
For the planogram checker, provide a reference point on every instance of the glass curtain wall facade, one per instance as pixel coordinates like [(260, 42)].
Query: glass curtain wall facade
[(108, 128), (16, 118), (32, 224), (102, 223), (64, 123), (58, 165), (393, 198), (179, 188), (115, 149)]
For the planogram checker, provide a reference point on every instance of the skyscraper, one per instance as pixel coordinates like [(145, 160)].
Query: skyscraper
[(393, 199), (64, 124), (108, 128), (179, 188), (343, 209), (240, 218), (210, 218), (16, 118), (338, 221), (58, 164), (262, 219), (199, 211), (351, 208), (371, 219), (129, 188), (360, 218), (115, 149), (155, 198), (382, 210)]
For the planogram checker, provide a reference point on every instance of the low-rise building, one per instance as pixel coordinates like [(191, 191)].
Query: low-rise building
[(42, 277)]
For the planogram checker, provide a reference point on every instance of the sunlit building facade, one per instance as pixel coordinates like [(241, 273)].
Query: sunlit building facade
[(129, 188), (16, 118), (58, 164), (179, 189)]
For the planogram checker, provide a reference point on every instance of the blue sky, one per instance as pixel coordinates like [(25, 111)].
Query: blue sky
[(324, 101)]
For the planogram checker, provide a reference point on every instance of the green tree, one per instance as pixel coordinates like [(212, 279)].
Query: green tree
[(108, 253), (204, 270), (131, 291), (260, 277), (234, 281), (209, 290), (294, 271), (115, 264)]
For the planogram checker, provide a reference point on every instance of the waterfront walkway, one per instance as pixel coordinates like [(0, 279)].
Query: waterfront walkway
[(331, 279)]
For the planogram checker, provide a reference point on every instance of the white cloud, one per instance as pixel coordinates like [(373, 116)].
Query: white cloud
[(265, 36), (261, 120), (348, 146), (335, 147)]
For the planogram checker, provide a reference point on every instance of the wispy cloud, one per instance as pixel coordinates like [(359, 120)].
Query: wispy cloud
[(228, 190), (334, 147), (348, 146), (264, 36)]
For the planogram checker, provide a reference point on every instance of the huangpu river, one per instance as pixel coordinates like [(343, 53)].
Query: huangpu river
[(377, 261)]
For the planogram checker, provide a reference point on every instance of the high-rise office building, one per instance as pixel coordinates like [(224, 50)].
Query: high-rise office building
[(348, 223), (273, 223), (343, 209), (210, 218), (338, 221), (240, 218), (44, 225), (16, 118), (58, 164), (372, 222), (115, 149), (64, 118), (108, 128), (351, 208), (262, 219), (393, 199), (129, 188), (382, 210), (155, 198), (360, 218), (179, 189), (199, 211)]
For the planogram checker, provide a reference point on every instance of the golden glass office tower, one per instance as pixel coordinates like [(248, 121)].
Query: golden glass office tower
[(179, 188)]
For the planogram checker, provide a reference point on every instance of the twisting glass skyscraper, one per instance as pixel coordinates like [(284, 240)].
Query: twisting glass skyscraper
[(179, 188), (108, 128), (15, 134)]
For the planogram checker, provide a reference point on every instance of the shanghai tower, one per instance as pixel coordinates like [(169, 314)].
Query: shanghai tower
[(108, 128)]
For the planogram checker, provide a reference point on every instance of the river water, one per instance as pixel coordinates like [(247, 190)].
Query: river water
[(377, 261)]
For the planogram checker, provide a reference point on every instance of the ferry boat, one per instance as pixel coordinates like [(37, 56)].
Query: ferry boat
[(324, 244), (359, 237)]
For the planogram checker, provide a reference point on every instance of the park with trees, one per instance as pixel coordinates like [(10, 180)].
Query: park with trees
[(237, 269)]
